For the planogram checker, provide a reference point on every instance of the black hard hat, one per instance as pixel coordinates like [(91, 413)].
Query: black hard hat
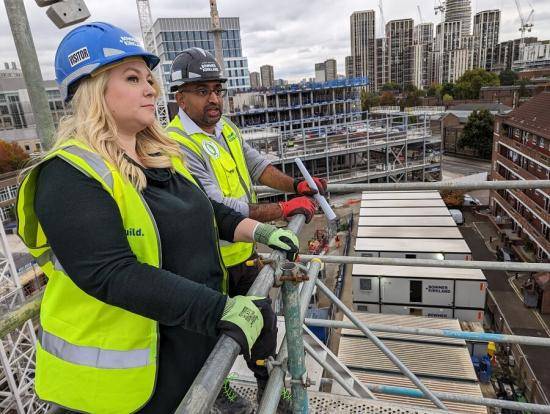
[(194, 65)]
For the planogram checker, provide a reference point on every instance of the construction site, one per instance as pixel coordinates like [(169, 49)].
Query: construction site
[(386, 309)]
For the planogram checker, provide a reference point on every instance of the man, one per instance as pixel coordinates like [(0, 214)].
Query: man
[(227, 167)]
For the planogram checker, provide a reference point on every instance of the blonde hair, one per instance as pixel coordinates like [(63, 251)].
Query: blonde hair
[(93, 124)]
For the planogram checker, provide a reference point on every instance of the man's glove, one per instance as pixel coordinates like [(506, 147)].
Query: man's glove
[(302, 187), (278, 239), (298, 205), (242, 320)]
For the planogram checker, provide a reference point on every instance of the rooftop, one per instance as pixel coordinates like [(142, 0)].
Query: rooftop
[(533, 115)]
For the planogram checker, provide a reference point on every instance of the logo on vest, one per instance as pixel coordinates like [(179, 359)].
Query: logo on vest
[(134, 232), (211, 149), (231, 136)]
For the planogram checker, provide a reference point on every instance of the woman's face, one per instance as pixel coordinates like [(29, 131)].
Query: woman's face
[(130, 96)]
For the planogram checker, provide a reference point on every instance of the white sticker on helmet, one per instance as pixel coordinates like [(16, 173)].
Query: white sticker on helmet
[(78, 56), (193, 75), (176, 75)]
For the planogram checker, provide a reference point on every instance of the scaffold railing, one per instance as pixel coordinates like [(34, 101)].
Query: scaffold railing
[(209, 381)]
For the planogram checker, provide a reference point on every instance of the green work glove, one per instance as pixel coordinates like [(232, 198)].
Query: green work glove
[(242, 320), (278, 239)]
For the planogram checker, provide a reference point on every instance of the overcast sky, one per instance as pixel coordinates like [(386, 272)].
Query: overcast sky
[(291, 35)]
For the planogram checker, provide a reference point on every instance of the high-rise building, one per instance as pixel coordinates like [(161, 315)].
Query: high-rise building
[(454, 51), (459, 10), (331, 70), (521, 151), (422, 47), (255, 80), (320, 72), (349, 66), (381, 76), (533, 56), (267, 76), (176, 34), (363, 29), (399, 38), (486, 31), (506, 53)]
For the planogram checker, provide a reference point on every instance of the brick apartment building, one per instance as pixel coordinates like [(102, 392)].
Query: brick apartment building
[(521, 151)]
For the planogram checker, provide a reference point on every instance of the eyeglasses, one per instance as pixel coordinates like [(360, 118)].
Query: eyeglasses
[(205, 92)]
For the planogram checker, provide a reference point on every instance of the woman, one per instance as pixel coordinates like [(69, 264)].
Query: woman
[(135, 299)]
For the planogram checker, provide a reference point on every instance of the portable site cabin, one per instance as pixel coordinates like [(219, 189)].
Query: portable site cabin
[(422, 291), (413, 248)]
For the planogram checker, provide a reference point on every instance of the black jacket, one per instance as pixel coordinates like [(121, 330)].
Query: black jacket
[(85, 230)]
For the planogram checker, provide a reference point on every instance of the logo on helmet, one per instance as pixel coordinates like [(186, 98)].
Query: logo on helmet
[(129, 41), (209, 67), (78, 56)]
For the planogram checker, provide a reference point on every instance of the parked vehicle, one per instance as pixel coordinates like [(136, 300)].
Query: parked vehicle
[(470, 201), (457, 215)]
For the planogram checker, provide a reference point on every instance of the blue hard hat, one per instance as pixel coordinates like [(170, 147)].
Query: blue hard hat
[(89, 47)]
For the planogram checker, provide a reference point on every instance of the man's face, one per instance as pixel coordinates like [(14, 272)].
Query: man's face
[(203, 102)]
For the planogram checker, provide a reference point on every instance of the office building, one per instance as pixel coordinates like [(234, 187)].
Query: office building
[(255, 80), (506, 53), (267, 76), (173, 35), (454, 51), (349, 66), (331, 70), (534, 56), (486, 32), (521, 151), (320, 72), (399, 38), (363, 29), (381, 75)]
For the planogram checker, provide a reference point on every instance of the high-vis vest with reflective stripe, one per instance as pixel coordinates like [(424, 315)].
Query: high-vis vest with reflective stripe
[(230, 170), (91, 356)]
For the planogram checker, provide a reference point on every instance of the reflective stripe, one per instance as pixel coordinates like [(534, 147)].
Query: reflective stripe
[(91, 356), (95, 161)]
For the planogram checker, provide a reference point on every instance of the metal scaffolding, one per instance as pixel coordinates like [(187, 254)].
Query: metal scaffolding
[(204, 390)]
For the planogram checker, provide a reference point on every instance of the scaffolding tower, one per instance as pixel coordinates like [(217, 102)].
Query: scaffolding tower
[(17, 348)]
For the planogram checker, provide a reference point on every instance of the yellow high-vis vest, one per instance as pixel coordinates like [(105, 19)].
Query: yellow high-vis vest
[(91, 356), (230, 170)]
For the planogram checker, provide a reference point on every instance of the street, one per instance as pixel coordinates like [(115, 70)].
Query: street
[(520, 319)]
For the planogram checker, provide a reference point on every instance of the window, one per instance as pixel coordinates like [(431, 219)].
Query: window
[(541, 142), (410, 256), (365, 284), (27, 148), (415, 291), (362, 308)]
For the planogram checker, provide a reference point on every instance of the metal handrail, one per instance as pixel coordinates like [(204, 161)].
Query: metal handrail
[(437, 185)]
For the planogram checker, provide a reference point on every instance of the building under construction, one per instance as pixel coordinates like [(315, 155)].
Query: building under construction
[(322, 124)]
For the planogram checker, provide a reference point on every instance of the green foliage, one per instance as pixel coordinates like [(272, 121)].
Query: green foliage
[(435, 90), (12, 157), (508, 77), (391, 86), (447, 98), (447, 89), (387, 99), (523, 87), (368, 100), (470, 83), (478, 133)]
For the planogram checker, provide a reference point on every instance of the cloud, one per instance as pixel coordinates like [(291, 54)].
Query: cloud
[(291, 35)]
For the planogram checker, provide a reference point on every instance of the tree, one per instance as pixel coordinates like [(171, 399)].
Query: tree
[(470, 83), (447, 89), (391, 86), (368, 100), (387, 99), (435, 90), (507, 77), (12, 157), (478, 133), (447, 98)]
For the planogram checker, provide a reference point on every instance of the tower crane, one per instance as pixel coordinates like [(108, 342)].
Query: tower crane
[(526, 22), (419, 14), (150, 44)]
